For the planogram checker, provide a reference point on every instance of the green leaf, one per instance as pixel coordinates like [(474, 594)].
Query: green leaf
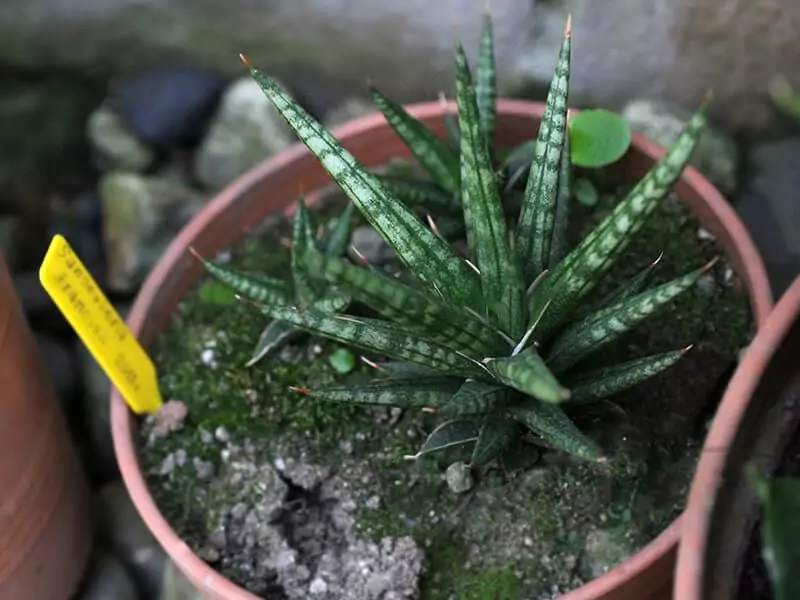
[(495, 437), (378, 336), (560, 245), (535, 227), (435, 156), (487, 235), (784, 97), (585, 192), (485, 82), (421, 194), (339, 236), (450, 125), (607, 381), (627, 289), (342, 361), (306, 288), (402, 368), (274, 335), (552, 424), (448, 324), (404, 392), (214, 292), (780, 501), (427, 256), (448, 435), (265, 290), (579, 272), (528, 373), (598, 329), (598, 137), (518, 163), (475, 398)]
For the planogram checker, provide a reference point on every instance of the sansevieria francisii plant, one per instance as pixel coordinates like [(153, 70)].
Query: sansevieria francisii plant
[(494, 341)]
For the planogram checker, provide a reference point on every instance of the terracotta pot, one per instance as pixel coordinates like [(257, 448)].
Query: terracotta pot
[(756, 419), (274, 185), (45, 524)]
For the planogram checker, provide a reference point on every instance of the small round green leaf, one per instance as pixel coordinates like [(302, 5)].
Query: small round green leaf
[(585, 192), (598, 137), (213, 292), (342, 361)]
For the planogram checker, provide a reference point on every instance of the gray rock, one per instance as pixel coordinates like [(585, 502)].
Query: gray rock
[(716, 156), (770, 209), (115, 147), (175, 586), (123, 530), (246, 130), (370, 245), (351, 108), (459, 478), (107, 579), (141, 215), (671, 49)]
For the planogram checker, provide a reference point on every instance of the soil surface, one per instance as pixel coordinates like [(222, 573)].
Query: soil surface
[(292, 498)]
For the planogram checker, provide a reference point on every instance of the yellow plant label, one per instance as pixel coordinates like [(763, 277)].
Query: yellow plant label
[(100, 327)]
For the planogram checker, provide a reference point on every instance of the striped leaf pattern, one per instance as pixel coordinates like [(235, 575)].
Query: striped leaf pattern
[(487, 235), (495, 437), (535, 227), (427, 256), (528, 373), (306, 288), (580, 271), (264, 290), (404, 392), (422, 194), (339, 236), (595, 331), (436, 157), (559, 246), (274, 335), (601, 383), (485, 82), (552, 424), (477, 398)]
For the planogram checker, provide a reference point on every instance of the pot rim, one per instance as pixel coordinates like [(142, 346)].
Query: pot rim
[(752, 273), (729, 418)]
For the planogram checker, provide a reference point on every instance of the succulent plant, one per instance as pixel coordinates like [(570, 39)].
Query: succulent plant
[(493, 342), (302, 289)]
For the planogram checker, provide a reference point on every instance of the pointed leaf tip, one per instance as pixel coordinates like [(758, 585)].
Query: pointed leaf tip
[(687, 348), (568, 27), (656, 262), (300, 390), (709, 265), (194, 253), (244, 60)]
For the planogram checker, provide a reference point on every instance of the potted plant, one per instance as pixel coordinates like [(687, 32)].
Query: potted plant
[(279, 481), (45, 522), (754, 430)]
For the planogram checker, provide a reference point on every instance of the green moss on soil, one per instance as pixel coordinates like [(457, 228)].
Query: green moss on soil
[(537, 530)]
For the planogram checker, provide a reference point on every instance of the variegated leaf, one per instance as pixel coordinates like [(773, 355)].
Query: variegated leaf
[(339, 236), (306, 288), (417, 194), (627, 289), (427, 256), (518, 163), (579, 272), (435, 156), (476, 397), (378, 336), (446, 323), (607, 381), (487, 235), (595, 331), (274, 335), (495, 437), (449, 434), (485, 82), (403, 392), (559, 247), (265, 290), (528, 373), (551, 423), (535, 227)]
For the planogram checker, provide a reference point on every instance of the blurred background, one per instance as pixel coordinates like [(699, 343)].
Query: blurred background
[(119, 119)]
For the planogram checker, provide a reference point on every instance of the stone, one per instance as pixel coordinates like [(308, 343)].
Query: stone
[(121, 527), (370, 245), (351, 108), (769, 207), (175, 586), (107, 579), (459, 478), (114, 146), (246, 130), (141, 215), (81, 222), (716, 156), (167, 107), (675, 50), (96, 411)]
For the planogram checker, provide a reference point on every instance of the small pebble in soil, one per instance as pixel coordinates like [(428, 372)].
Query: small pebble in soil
[(170, 417), (459, 478)]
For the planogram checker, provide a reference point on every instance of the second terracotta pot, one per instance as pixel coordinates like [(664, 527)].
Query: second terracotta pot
[(274, 186)]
